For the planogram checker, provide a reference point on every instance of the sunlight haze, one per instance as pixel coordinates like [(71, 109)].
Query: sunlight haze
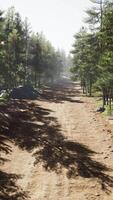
[(59, 20)]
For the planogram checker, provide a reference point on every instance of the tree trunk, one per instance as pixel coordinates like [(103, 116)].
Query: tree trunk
[(110, 100), (90, 88), (83, 90), (39, 80), (104, 99), (35, 79)]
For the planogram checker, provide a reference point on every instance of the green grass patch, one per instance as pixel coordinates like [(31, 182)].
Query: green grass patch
[(107, 111), (96, 93), (99, 102)]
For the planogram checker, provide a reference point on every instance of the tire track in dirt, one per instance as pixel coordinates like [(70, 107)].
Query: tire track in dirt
[(78, 123), (79, 158)]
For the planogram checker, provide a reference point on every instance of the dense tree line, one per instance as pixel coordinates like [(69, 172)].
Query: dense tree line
[(93, 51), (25, 57)]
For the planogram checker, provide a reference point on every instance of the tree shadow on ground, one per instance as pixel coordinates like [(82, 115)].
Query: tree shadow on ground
[(57, 153), (8, 187), (32, 127), (61, 93), (9, 190)]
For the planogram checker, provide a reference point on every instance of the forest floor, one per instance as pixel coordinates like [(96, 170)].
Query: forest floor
[(55, 148)]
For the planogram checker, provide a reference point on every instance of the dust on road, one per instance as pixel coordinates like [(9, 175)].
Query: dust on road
[(60, 148)]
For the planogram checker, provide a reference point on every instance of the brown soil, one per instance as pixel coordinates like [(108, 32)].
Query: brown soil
[(55, 148)]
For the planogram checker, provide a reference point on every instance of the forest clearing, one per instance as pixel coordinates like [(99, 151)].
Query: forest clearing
[(58, 147)]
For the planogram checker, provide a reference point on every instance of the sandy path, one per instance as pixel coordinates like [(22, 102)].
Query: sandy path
[(78, 165)]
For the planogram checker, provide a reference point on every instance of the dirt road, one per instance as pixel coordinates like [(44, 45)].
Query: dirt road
[(58, 148)]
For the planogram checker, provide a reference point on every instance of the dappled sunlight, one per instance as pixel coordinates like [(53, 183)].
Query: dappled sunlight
[(64, 91), (9, 189), (33, 128)]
